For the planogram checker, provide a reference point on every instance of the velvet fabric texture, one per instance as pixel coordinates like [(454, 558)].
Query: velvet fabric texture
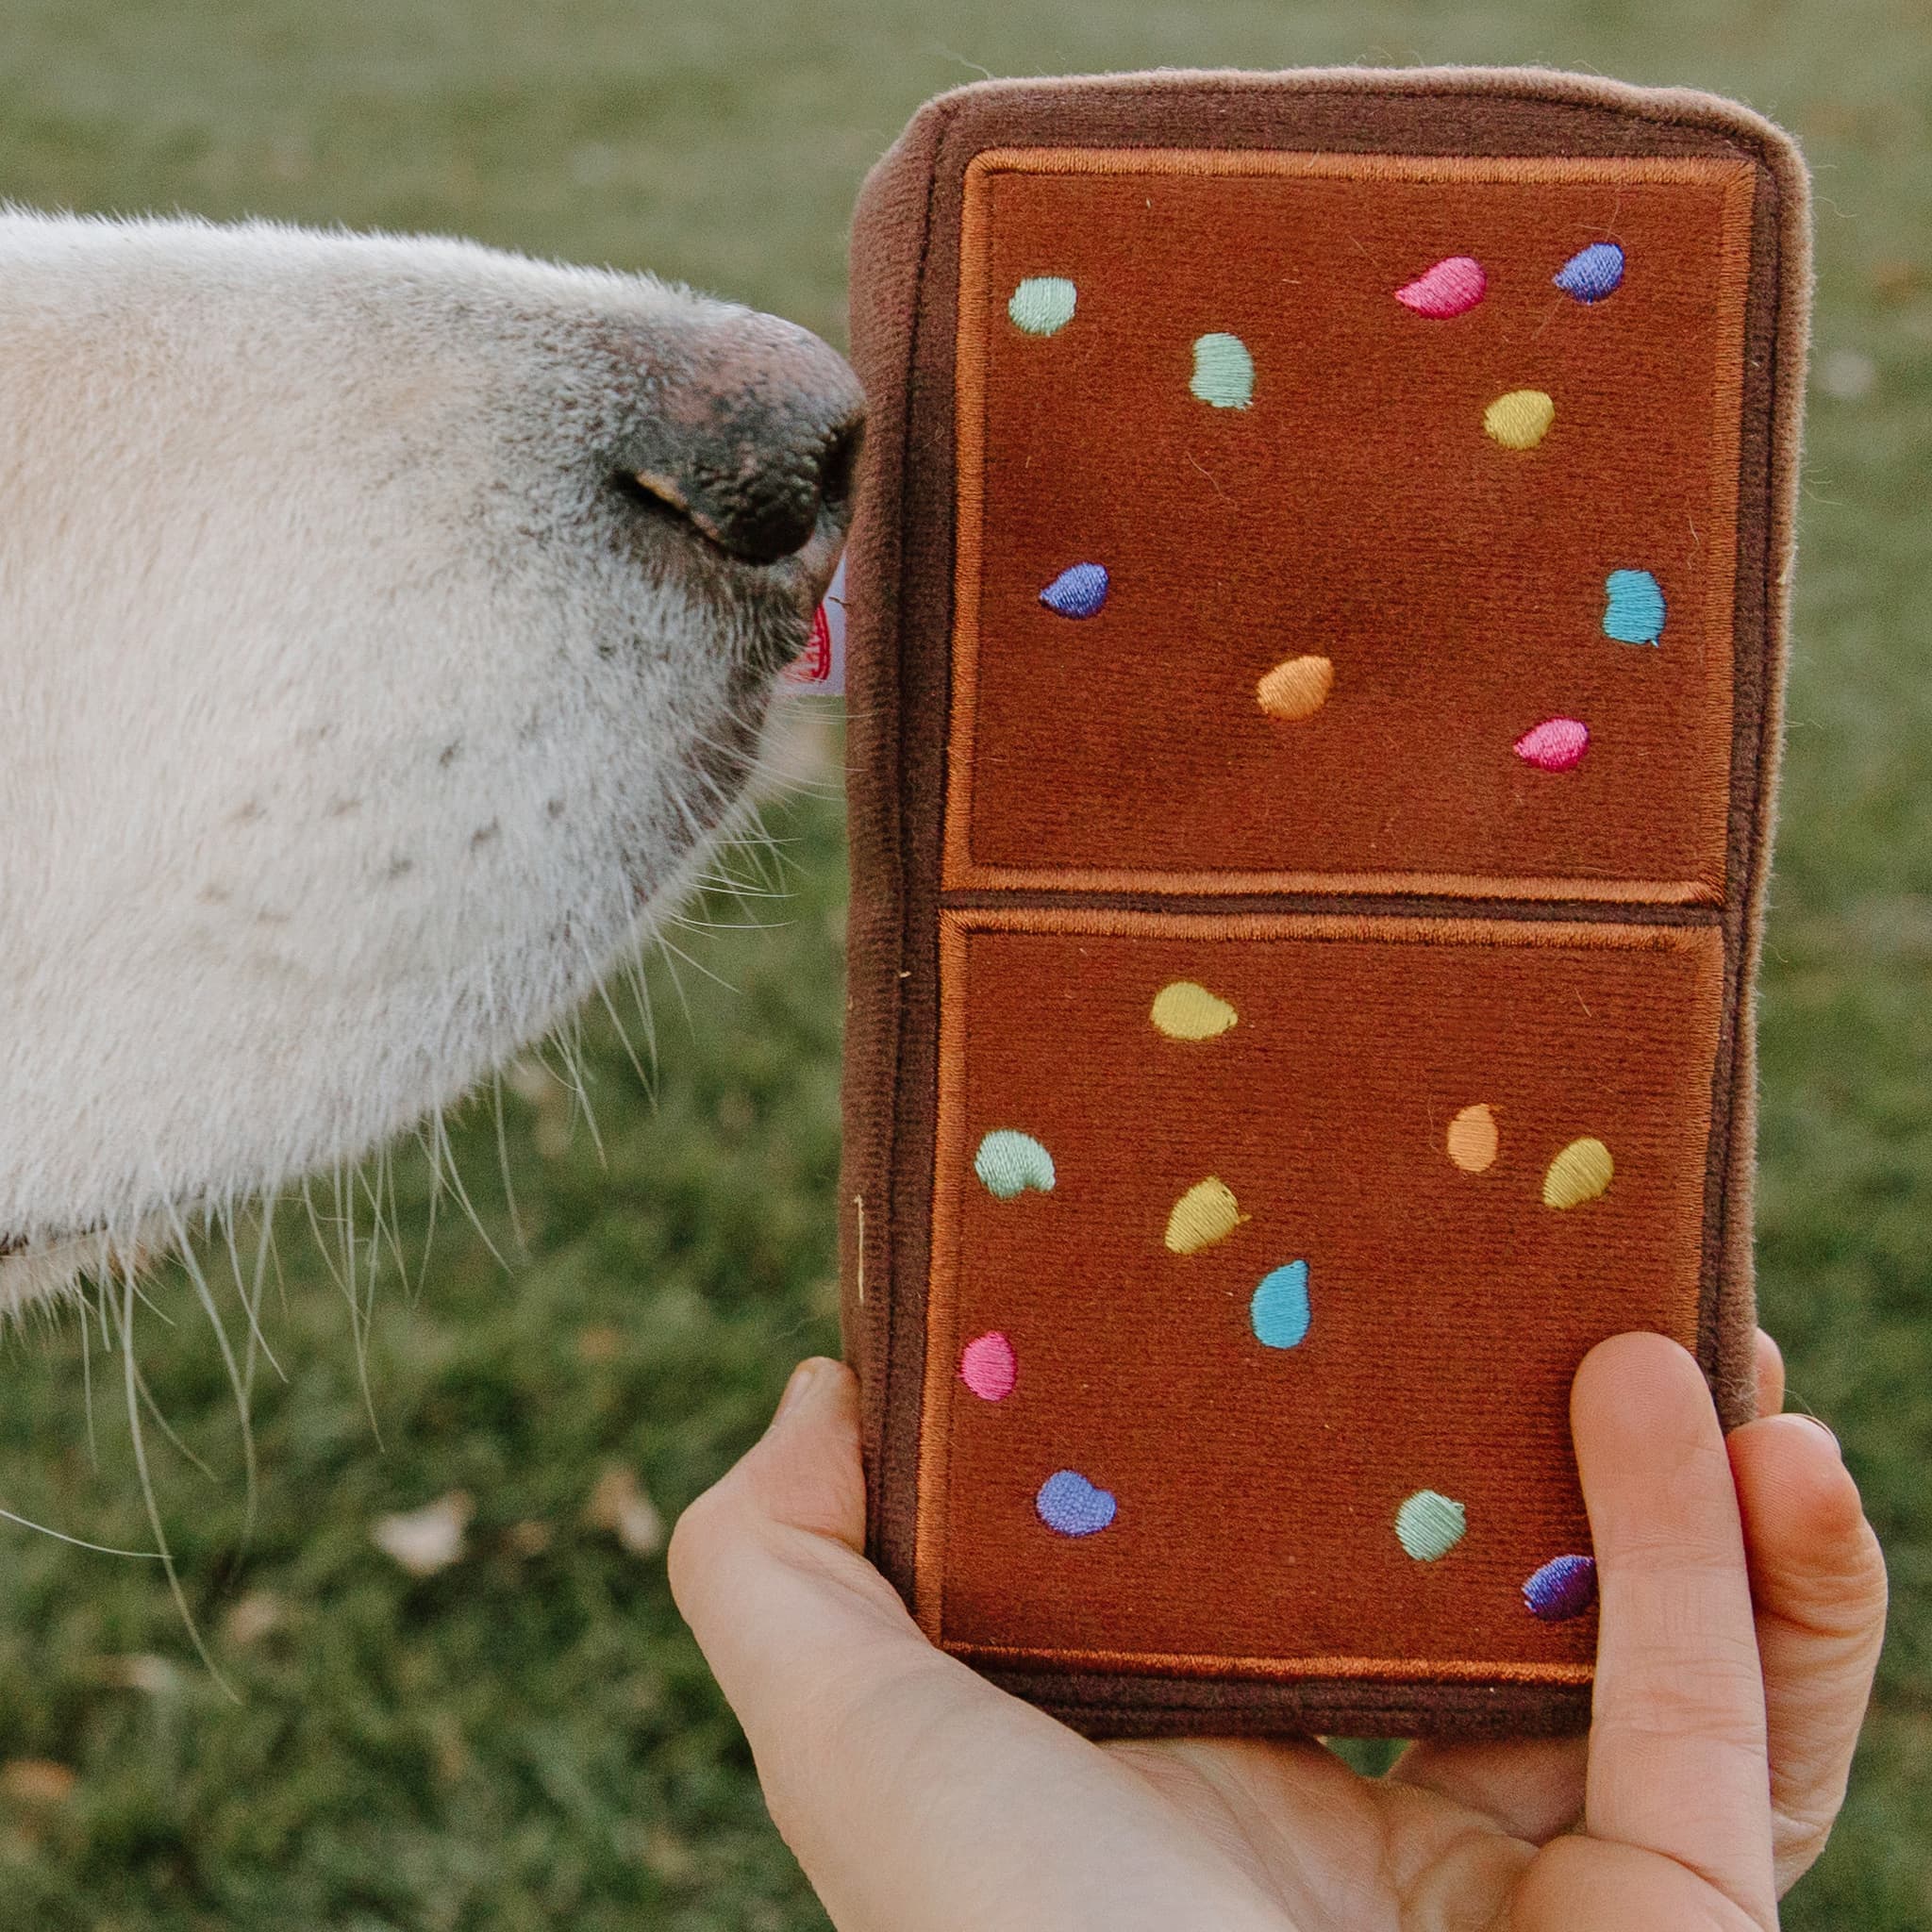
[(1060, 808)]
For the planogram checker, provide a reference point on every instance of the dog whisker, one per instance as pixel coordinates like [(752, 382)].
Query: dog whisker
[(132, 1384)]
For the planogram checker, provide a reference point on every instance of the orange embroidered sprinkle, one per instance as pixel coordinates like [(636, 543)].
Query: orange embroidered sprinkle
[(1297, 688)]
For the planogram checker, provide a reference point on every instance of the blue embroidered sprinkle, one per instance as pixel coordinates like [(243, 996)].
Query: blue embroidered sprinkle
[(1279, 1310), (1591, 273), (1633, 607), (1079, 590), (1009, 1163), (1565, 1587), (1069, 1505)]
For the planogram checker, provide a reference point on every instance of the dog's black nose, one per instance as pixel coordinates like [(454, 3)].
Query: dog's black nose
[(755, 439)]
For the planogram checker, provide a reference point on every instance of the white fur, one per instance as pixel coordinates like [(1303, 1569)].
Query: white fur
[(348, 730)]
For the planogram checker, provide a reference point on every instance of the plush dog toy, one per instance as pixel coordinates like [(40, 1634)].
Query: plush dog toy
[(1317, 611)]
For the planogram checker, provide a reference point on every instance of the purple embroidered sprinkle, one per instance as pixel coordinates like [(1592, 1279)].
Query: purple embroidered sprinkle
[(1079, 590), (1591, 273), (1070, 1506), (1565, 1587)]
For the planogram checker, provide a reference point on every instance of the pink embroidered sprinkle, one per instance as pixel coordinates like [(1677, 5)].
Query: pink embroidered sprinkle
[(987, 1366), (1452, 286), (1557, 744)]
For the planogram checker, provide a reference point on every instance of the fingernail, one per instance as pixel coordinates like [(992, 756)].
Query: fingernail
[(802, 1377), (1820, 1427)]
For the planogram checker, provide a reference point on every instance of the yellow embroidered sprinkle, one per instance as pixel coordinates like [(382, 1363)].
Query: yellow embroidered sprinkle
[(1472, 1139), (1297, 688), (1521, 420), (1579, 1174), (1186, 1011), (1203, 1215)]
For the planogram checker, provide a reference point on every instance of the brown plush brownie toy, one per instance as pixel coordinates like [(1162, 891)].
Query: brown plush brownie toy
[(1316, 624)]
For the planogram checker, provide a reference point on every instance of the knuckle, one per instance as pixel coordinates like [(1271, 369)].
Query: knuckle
[(696, 1540)]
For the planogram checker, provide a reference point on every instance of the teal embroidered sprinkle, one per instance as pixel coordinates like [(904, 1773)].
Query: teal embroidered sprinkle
[(1042, 304), (1633, 607), (1009, 1163), (1224, 372), (1429, 1525)]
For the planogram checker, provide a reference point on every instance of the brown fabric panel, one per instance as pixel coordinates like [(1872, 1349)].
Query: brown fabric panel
[(1356, 508), (905, 307), (1257, 1488), (885, 911)]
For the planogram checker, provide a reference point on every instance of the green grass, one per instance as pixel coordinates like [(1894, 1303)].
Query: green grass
[(530, 1739)]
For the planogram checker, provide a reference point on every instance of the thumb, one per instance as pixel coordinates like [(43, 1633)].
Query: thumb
[(773, 1555), (803, 1471), (917, 1796)]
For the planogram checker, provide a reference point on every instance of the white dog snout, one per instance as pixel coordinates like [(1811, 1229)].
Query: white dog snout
[(388, 628)]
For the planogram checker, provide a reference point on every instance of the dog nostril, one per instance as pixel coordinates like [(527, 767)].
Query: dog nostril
[(754, 442), (770, 508), (837, 467)]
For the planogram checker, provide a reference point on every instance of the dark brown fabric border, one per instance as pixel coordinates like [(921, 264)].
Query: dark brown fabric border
[(905, 289)]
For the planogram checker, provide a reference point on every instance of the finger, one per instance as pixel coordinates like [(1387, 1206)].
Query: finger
[(917, 1797), (1535, 1789), (1583, 1885), (1771, 1375), (1677, 1736), (1818, 1584)]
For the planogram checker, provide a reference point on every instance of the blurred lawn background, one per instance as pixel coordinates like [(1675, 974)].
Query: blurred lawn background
[(527, 1739)]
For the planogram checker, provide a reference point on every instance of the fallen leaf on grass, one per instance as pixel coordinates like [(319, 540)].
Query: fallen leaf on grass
[(620, 1505), (252, 1617), (599, 1344), (153, 1676), (36, 1781), (427, 1539), (530, 1538)]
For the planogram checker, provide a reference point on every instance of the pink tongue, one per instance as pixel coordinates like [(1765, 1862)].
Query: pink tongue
[(821, 666)]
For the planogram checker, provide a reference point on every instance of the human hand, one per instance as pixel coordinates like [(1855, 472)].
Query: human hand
[(1743, 1603)]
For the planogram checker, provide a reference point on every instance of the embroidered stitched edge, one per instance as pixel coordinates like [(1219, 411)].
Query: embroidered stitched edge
[(1701, 941), (962, 871)]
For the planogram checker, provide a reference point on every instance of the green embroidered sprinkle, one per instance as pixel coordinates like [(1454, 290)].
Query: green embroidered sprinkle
[(1429, 1525), (1042, 304), (1224, 372), (1009, 1162)]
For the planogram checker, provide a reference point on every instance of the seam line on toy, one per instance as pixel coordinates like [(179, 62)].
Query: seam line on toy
[(1204, 1664), (1495, 889), (1729, 1259), (885, 1103), (1402, 906), (1703, 939), (1527, 170)]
